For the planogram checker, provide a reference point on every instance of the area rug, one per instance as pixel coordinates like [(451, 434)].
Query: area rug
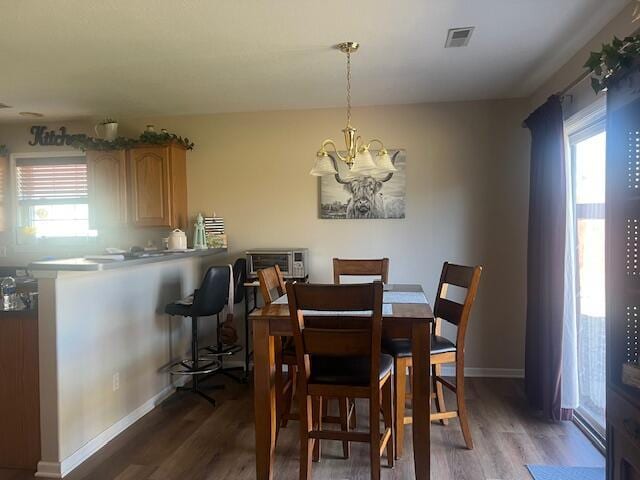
[(544, 472)]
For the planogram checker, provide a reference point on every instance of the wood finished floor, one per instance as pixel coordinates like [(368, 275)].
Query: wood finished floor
[(186, 439)]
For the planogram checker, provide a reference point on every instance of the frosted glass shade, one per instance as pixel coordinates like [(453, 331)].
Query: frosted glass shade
[(384, 163), (363, 164), (323, 166)]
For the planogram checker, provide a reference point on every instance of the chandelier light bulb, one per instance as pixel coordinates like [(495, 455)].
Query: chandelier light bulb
[(323, 165)]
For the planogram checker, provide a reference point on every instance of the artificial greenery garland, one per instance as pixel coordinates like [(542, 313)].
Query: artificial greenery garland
[(616, 57), (122, 143)]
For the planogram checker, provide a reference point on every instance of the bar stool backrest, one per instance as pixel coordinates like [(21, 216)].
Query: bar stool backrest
[(239, 279), (211, 297)]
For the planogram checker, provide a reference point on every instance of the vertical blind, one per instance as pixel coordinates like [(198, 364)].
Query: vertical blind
[(54, 180)]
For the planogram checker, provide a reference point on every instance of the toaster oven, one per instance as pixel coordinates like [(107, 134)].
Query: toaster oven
[(293, 262)]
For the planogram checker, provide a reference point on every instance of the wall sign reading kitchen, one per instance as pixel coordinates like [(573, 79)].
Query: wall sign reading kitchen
[(53, 138)]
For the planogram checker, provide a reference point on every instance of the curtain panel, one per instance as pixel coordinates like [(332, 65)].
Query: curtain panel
[(546, 260)]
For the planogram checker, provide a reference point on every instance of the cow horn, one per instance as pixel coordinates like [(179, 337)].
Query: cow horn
[(337, 175)]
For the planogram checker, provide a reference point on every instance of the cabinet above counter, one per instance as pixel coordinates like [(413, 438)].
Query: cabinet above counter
[(143, 186)]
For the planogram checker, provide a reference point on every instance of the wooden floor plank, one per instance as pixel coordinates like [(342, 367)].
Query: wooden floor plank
[(186, 439)]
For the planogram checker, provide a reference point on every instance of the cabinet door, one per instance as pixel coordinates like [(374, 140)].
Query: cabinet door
[(179, 214), (107, 184), (150, 190)]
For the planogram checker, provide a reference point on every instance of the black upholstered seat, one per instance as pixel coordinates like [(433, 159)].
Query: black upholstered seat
[(401, 347), (346, 370)]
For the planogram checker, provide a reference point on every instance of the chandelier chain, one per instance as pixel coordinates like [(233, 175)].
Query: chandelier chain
[(348, 88)]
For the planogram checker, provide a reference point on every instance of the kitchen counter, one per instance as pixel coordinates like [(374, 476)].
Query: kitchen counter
[(105, 345), (84, 265)]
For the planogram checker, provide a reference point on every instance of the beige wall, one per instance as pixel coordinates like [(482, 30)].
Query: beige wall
[(582, 95), (466, 197)]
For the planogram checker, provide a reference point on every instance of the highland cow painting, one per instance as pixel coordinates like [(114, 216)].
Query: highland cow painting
[(345, 196)]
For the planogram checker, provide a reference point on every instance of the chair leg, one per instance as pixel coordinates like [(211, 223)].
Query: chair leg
[(288, 396), (400, 376), (436, 370), (374, 435), (317, 425), (344, 423), (387, 413), (462, 406), (279, 383), (306, 443)]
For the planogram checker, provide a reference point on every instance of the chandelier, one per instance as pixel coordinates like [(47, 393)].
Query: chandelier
[(357, 157)]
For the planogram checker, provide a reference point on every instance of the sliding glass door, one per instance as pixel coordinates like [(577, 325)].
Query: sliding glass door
[(588, 152)]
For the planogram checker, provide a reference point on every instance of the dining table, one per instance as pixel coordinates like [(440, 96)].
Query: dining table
[(406, 314)]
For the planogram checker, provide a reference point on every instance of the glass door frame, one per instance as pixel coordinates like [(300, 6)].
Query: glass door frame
[(593, 126)]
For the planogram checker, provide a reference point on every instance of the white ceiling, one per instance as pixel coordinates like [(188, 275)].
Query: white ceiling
[(78, 58)]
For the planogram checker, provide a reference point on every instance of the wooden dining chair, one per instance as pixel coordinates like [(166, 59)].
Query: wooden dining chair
[(360, 268), (272, 287), (340, 357), (357, 268), (442, 351)]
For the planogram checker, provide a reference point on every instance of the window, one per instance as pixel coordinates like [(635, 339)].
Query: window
[(52, 198), (588, 156)]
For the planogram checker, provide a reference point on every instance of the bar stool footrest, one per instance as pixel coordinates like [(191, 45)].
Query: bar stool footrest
[(184, 367), (226, 351)]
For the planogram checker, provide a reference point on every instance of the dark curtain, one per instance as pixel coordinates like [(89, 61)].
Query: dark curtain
[(545, 259)]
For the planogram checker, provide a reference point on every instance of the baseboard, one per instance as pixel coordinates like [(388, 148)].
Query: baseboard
[(61, 469), (48, 470), (450, 371)]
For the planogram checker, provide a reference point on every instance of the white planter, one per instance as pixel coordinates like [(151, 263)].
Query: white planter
[(107, 131)]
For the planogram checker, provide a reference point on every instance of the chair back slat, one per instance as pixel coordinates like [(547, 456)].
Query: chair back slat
[(450, 311), (336, 342), (338, 336), (271, 280), (343, 298), (459, 275), (360, 268)]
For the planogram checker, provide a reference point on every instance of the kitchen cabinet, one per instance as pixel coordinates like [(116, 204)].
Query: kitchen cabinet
[(19, 390), (144, 186), (158, 186), (107, 185)]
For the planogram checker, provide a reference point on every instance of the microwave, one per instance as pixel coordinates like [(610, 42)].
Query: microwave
[(293, 262)]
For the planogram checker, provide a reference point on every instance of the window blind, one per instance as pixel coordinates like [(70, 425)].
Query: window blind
[(59, 180)]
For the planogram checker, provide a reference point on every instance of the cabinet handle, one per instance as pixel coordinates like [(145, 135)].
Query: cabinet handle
[(632, 427)]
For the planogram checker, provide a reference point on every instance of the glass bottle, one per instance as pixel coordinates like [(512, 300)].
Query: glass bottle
[(8, 288)]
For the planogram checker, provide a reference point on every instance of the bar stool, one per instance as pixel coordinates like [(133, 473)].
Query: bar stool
[(210, 299)]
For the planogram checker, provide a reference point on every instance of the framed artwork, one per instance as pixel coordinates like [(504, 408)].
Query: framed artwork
[(346, 196)]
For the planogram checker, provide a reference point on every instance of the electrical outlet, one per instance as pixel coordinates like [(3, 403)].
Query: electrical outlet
[(116, 381)]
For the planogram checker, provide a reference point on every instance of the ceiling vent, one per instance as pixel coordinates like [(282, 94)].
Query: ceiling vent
[(458, 37), (4, 105)]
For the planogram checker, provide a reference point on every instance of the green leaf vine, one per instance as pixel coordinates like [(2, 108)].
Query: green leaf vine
[(122, 143), (614, 58)]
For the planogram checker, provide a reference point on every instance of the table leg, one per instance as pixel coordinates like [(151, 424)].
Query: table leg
[(420, 346), (264, 398)]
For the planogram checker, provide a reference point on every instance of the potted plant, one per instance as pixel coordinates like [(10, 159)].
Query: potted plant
[(107, 129)]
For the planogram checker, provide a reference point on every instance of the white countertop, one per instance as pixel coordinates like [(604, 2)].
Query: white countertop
[(84, 265)]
